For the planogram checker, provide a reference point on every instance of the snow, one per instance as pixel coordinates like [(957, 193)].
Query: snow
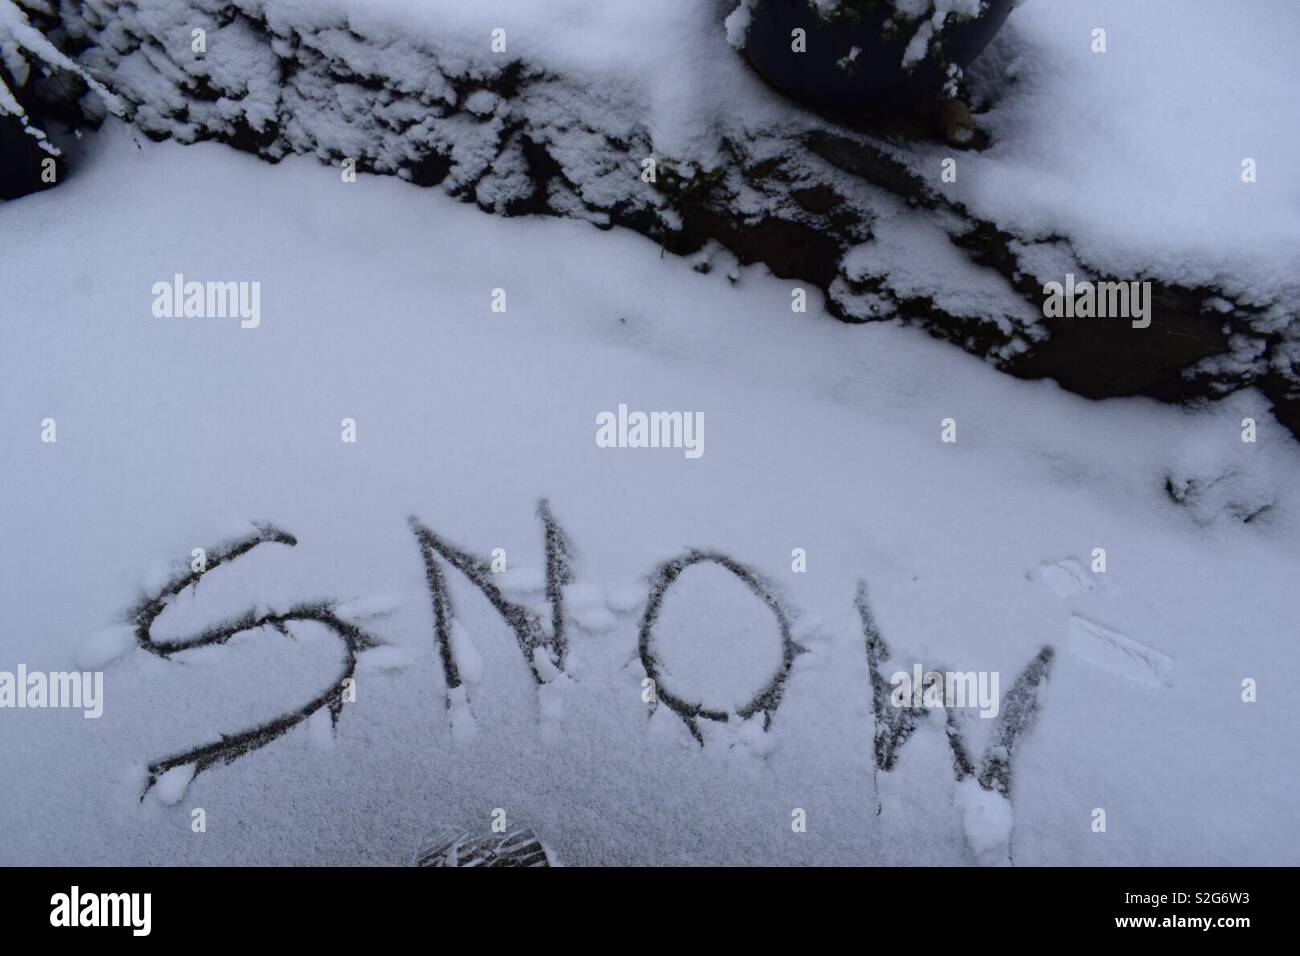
[(987, 818), (387, 659), (1119, 653), (928, 17), (715, 642), (1116, 175), (522, 580), (320, 731), (156, 576), (737, 24), (171, 785), (1213, 489), (468, 660), (904, 255), (19, 33), (371, 606), (376, 306), (464, 730), (103, 645), (1135, 154), (919, 45), (665, 51), (586, 605), (626, 598)]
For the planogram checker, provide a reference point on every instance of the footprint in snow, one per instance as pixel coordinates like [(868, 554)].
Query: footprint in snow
[(1069, 578), (1119, 653)]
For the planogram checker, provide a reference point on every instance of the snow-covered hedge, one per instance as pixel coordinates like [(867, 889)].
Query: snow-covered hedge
[(24, 48)]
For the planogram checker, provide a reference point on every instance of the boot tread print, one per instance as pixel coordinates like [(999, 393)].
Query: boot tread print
[(453, 846)]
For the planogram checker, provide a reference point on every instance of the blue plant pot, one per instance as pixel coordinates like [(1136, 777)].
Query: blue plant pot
[(873, 82)]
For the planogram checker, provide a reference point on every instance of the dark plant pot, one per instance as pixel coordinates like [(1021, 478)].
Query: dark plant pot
[(20, 160), (874, 83)]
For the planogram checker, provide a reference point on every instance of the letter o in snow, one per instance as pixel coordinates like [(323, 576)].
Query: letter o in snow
[(768, 697)]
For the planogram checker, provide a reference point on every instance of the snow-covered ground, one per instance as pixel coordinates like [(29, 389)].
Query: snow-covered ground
[(174, 433), (1124, 127)]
